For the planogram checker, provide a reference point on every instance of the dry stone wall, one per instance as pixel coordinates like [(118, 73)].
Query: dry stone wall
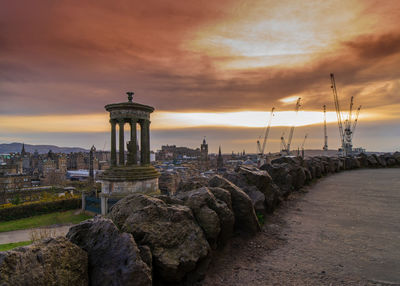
[(169, 239)]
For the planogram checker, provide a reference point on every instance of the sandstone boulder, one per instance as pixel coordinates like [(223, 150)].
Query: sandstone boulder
[(114, 258), (245, 217), (177, 243), (52, 261)]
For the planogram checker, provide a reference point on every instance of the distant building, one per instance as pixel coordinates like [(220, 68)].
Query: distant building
[(10, 182), (220, 160), (12, 179), (204, 150), (171, 152)]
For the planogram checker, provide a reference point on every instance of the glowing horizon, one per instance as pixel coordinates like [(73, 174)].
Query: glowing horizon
[(163, 120)]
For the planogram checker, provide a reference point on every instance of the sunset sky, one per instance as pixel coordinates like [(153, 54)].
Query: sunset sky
[(210, 68)]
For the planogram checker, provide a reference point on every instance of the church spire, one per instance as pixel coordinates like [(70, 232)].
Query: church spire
[(220, 160), (23, 149)]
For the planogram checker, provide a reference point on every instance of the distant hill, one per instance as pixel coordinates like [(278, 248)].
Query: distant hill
[(16, 147)]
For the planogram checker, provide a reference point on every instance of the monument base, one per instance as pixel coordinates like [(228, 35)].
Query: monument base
[(120, 181)]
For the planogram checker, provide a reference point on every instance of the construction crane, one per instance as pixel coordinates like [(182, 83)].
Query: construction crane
[(302, 145), (286, 147), (325, 148), (346, 135), (262, 149), (304, 141)]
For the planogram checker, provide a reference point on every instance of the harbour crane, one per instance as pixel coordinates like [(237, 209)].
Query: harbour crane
[(346, 135), (325, 148), (286, 147), (262, 149)]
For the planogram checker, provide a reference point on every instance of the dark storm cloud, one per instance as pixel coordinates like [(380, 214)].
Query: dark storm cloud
[(61, 57)]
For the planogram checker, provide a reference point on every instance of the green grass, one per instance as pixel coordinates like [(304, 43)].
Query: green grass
[(8, 246), (261, 218), (43, 220)]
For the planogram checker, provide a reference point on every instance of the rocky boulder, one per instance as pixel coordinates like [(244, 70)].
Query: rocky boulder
[(372, 161), (264, 183), (381, 160), (114, 258), (176, 241), (280, 174), (245, 217), (52, 261), (363, 159), (192, 183), (390, 160), (222, 195), (292, 160), (396, 156), (258, 199), (213, 215), (168, 182)]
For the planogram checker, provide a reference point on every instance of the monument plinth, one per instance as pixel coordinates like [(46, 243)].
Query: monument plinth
[(134, 175)]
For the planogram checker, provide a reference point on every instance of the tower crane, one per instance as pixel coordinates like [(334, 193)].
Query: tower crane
[(286, 147), (302, 145), (325, 148), (304, 141), (346, 135), (262, 149)]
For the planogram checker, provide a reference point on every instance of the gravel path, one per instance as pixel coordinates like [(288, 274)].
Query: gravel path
[(25, 234), (344, 230)]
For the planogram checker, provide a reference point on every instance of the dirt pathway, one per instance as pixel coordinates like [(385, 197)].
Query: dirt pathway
[(344, 230)]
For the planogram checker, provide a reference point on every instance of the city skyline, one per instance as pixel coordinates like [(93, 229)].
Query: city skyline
[(211, 69)]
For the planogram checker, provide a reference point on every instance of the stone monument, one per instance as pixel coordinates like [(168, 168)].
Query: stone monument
[(135, 175)]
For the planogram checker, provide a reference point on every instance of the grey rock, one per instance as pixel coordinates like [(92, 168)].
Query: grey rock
[(264, 183), (52, 261), (222, 195), (372, 161), (213, 215), (245, 217), (192, 183), (114, 258), (177, 243), (145, 254)]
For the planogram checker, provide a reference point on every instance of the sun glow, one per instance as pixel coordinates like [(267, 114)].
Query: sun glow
[(289, 99), (167, 120)]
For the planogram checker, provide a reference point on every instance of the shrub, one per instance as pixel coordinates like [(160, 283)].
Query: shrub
[(38, 208), (16, 200), (261, 218), (41, 233)]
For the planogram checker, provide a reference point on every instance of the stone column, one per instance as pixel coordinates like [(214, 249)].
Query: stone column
[(121, 143), (113, 144), (104, 204), (133, 157), (145, 142)]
